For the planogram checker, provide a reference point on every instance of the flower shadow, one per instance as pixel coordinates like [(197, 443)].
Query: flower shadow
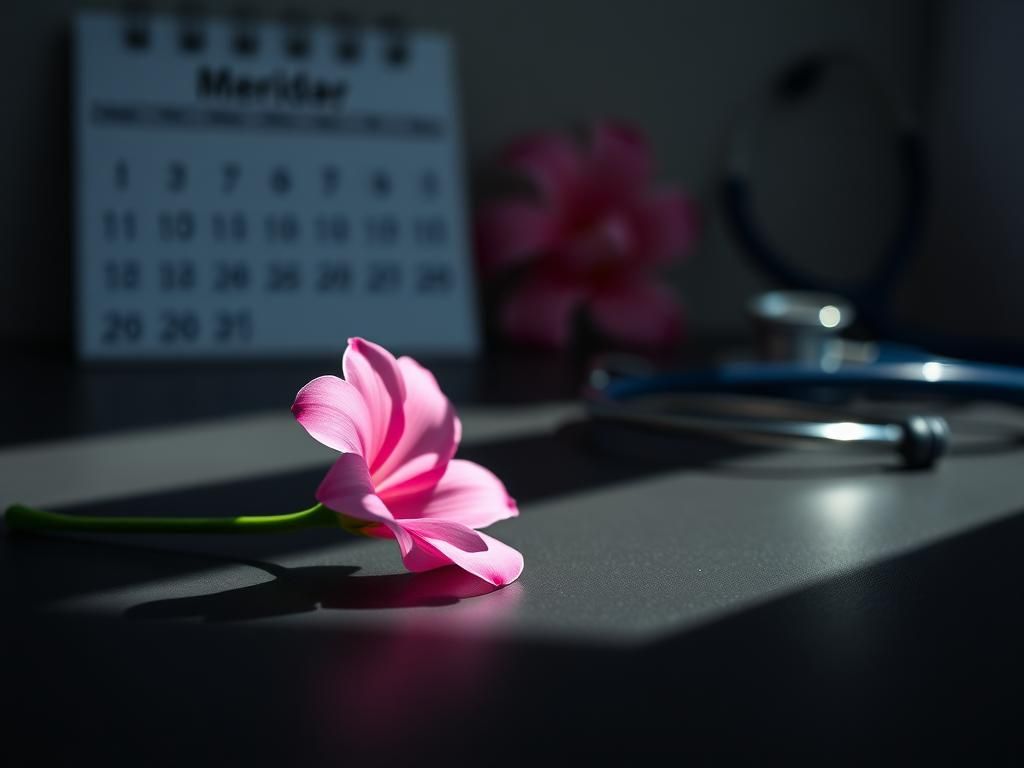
[(310, 588)]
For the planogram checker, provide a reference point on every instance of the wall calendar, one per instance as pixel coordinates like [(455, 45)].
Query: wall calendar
[(263, 189)]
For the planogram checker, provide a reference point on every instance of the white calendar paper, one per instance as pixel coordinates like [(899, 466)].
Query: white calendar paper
[(267, 194)]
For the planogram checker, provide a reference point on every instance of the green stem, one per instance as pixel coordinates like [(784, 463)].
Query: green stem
[(21, 518)]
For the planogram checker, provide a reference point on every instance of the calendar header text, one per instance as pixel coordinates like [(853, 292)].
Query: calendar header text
[(278, 88)]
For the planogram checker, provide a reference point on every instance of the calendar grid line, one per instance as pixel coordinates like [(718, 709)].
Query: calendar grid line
[(162, 116)]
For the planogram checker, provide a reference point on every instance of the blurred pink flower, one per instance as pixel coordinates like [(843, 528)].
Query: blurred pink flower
[(592, 239), (396, 478)]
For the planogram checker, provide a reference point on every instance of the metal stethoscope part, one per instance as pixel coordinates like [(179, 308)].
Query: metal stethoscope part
[(806, 362), (800, 326), (919, 439)]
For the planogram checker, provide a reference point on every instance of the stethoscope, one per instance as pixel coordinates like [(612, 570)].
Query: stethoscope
[(868, 297), (797, 393), (778, 403)]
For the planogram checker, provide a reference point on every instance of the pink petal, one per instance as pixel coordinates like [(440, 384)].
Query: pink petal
[(638, 311), (467, 493), (347, 489), (422, 556), (334, 413), (373, 371), (460, 536), (612, 240), (541, 312), (428, 441), (495, 563), (668, 224), (621, 156), (511, 233), (552, 162)]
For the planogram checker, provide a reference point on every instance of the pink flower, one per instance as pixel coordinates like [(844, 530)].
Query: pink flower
[(592, 239), (396, 478)]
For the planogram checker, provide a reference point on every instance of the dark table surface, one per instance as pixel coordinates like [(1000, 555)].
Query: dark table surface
[(691, 597)]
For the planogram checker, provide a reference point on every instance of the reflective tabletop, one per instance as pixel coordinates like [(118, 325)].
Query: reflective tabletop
[(683, 596)]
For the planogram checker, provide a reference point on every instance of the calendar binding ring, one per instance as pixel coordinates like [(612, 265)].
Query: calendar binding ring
[(293, 27)]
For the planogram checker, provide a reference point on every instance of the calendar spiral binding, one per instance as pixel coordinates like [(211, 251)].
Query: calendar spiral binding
[(292, 28)]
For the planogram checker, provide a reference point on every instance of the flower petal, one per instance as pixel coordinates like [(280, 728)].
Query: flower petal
[(334, 413), (541, 312), (667, 224), (511, 232), (610, 243), (621, 156), (422, 556), (428, 441), (467, 493), (462, 537), (552, 162), (638, 311), (373, 371), (495, 563), (347, 489)]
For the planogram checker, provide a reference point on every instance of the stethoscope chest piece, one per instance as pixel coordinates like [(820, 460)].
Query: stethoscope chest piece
[(663, 405), (924, 441), (800, 327)]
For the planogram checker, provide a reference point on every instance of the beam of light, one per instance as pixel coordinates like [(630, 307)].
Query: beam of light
[(829, 316), (843, 507), (845, 431), (931, 371)]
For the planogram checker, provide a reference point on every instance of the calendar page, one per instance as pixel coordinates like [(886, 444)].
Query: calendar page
[(260, 190)]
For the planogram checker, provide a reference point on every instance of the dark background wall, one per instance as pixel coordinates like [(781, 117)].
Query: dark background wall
[(682, 70)]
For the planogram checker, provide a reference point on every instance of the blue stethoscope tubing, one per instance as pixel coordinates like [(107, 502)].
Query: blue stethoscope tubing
[(870, 297), (921, 439), (953, 380), (899, 371)]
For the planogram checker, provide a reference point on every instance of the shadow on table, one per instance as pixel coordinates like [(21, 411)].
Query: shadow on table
[(921, 651), (534, 468), (575, 458), (310, 588)]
